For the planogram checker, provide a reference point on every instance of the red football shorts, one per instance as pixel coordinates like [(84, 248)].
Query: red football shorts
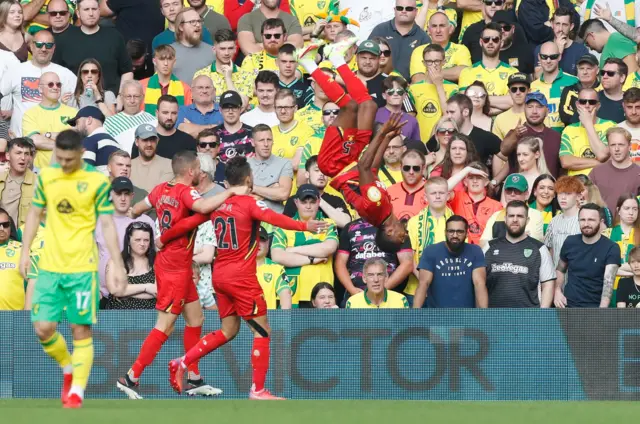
[(175, 289), (240, 298), (340, 148), (371, 201)]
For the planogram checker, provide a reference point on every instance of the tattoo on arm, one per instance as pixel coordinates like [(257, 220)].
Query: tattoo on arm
[(610, 272), (624, 28)]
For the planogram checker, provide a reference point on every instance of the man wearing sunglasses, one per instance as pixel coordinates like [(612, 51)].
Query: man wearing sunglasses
[(403, 35), (551, 83), (597, 37), (584, 144), (394, 93), (209, 143), (37, 13), (613, 75), (473, 33), (515, 50), (274, 36), (518, 88), (252, 26), (588, 77), (407, 196), (60, 15)]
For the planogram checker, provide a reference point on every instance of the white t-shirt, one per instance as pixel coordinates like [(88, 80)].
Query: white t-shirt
[(257, 116), (21, 86), (635, 141), (123, 127)]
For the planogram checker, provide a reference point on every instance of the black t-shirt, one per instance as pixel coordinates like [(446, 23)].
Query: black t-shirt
[(107, 46), (168, 146), (374, 85), (519, 55), (299, 87), (358, 240), (139, 19), (610, 109), (290, 207), (487, 144), (628, 292)]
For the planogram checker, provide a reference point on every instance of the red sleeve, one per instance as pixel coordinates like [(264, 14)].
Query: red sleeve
[(183, 227), (261, 212), (233, 11), (188, 197)]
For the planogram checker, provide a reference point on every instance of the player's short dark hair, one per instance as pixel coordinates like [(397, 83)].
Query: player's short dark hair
[(313, 160), (23, 142), (183, 160), (622, 67), (594, 207), (457, 218), (493, 26), (223, 35), (384, 243), (632, 95), (287, 48), (69, 140), (208, 132), (237, 170), (268, 77), (168, 98), (518, 204), (272, 23), (591, 25), (260, 128), (433, 48), (387, 83)]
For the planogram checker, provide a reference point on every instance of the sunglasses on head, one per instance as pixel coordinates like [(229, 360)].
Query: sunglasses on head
[(408, 168), (398, 91), (41, 44), (205, 144), (518, 89), (591, 102), (137, 225), (268, 36), (5, 224), (491, 39), (58, 12), (447, 131), (496, 2), (608, 73), (328, 112), (549, 56), (407, 8), (385, 53), (54, 84), (90, 71)]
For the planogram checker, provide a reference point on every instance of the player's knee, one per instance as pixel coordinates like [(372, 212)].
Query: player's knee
[(261, 330), (80, 332), (230, 329), (44, 330)]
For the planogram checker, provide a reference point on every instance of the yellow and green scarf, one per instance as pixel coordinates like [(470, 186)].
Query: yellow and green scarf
[(154, 91), (617, 236), (629, 11)]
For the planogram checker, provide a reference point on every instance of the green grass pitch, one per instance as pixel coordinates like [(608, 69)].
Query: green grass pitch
[(312, 412)]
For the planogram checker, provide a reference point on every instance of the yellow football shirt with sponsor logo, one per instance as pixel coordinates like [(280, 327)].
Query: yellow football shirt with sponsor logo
[(553, 92), (494, 79), (454, 55), (273, 280), (11, 282), (285, 143), (429, 110), (575, 142), (41, 120), (391, 300)]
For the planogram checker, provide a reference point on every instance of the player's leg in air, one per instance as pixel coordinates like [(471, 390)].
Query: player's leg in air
[(341, 145), (53, 293), (244, 300), (173, 288)]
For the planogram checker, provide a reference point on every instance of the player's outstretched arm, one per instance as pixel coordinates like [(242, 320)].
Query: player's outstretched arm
[(183, 227), (208, 205), (111, 240), (261, 212), (30, 229), (141, 207)]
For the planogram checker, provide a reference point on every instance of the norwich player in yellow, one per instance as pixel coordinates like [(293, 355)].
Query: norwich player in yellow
[(375, 274), (272, 277), (76, 196)]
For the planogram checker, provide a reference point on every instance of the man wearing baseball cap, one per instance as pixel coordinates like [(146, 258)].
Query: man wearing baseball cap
[(122, 192), (535, 112), (148, 169), (518, 88), (368, 60), (307, 258), (516, 187), (272, 277), (515, 49), (98, 145), (235, 137), (587, 68)]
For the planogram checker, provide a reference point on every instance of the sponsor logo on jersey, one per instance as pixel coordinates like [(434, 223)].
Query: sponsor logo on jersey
[(10, 253), (64, 207), (82, 186), (527, 253), (429, 108), (374, 194), (7, 265), (509, 267), (268, 277)]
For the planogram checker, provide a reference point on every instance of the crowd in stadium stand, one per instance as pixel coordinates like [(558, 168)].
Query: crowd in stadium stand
[(517, 170)]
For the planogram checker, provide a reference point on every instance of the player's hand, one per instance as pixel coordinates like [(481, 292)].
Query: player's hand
[(239, 190), (603, 12), (159, 244), (25, 263), (559, 300), (317, 227)]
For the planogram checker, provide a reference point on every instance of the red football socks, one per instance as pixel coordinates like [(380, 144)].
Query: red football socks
[(331, 88), (207, 344), (357, 89), (260, 361), (150, 348), (191, 338)]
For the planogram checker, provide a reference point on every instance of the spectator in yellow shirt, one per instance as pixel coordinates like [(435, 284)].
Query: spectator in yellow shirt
[(375, 276), (274, 35), (11, 282)]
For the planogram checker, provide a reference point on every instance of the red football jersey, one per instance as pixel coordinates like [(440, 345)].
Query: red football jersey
[(173, 203), (237, 223)]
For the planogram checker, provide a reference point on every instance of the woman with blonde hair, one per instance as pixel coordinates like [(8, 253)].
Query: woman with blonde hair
[(442, 133), (11, 32), (591, 194)]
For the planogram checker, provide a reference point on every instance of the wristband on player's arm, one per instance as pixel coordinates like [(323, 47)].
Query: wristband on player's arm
[(311, 260)]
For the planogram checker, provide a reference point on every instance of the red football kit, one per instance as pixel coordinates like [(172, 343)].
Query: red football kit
[(371, 201), (236, 223), (172, 203), (340, 148)]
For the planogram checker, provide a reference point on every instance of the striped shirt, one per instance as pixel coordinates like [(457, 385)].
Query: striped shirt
[(514, 271), (122, 127), (560, 227), (98, 146)]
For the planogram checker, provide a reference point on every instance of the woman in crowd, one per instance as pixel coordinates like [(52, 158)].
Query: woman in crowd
[(442, 133), (543, 198), (323, 296), (480, 118), (138, 256), (11, 32), (460, 152), (591, 194), (629, 286), (90, 90), (625, 232), (530, 157), (386, 64)]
